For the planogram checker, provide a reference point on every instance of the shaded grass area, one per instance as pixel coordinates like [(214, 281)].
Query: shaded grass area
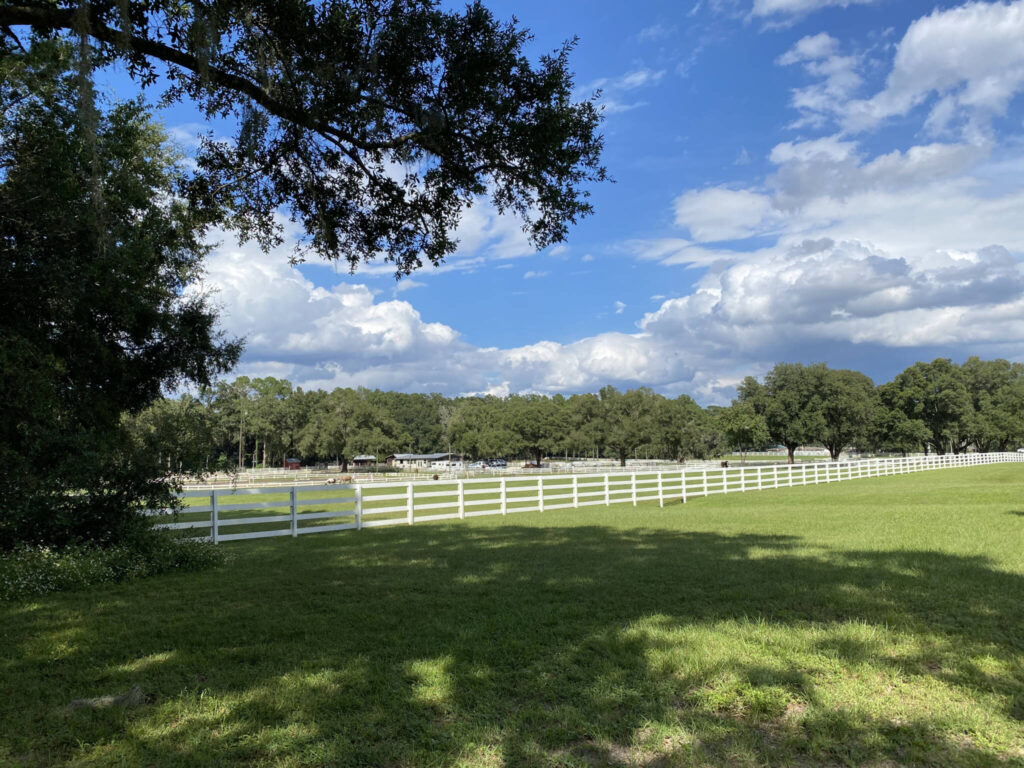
[(875, 622)]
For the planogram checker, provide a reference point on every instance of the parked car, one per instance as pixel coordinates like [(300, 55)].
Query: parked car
[(497, 463), (478, 465)]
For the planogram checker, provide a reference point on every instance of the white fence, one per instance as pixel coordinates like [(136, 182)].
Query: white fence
[(295, 510)]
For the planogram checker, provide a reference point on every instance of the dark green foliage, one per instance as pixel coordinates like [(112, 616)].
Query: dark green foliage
[(935, 394), (95, 319), (375, 123), (744, 428), (849, 406), (28, 571), (790, 402), (796, 405)]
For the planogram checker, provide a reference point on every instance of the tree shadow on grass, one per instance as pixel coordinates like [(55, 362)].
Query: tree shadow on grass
[(524, 645)]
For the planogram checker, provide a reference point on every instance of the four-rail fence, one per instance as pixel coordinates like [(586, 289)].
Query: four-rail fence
[(226, 514)]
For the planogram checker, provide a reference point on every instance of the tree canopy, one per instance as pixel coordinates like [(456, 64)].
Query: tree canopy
[(373, 122), (96, 320)]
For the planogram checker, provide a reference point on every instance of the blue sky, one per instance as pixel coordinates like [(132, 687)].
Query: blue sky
[(795, 180)]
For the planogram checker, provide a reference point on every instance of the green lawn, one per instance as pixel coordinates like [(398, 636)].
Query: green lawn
[(875, 622)]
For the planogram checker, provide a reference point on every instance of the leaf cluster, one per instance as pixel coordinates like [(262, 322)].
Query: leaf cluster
[(375, 123)]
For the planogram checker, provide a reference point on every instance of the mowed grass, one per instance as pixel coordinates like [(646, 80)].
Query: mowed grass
[(873, 622)]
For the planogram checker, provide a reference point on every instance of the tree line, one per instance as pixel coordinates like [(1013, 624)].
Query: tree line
[(932, 407)]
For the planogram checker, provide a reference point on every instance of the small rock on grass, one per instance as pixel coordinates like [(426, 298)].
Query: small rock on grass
[(130, 699)]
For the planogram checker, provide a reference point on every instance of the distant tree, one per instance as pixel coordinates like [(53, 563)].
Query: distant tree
[(849, 406), (744, 428), (587, 432), (484, 432), (537, 422), (232, 404), (345, 423), (269, 418), (892, 431), (628, 419), (178, 433), (681, 429), (790, 402), (995, 388), (935, 394)]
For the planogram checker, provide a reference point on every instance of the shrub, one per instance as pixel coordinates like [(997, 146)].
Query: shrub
[(28, 571)]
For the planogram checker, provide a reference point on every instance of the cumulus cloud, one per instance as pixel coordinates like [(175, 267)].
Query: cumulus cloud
[(719, 213), (966, 64), (971, 58)]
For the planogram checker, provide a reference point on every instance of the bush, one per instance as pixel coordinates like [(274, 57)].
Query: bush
[(28, 571)]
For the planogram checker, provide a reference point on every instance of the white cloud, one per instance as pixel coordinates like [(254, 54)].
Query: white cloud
[(406, 284), (614, 90), (810, 48), (531, 274), (656, 32), (796, 8), (837, 78), (971, 57), (967, 61), (718, 213), (620, 307)]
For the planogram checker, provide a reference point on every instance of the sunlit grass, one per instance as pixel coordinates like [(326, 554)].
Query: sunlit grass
[(873, 622)]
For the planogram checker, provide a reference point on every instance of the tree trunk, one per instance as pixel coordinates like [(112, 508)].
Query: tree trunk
[(790, 454)]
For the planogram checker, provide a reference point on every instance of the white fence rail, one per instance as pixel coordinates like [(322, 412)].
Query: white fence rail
[(301, 509)]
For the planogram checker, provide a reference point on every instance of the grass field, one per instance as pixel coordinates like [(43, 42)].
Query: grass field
[(877, 622)]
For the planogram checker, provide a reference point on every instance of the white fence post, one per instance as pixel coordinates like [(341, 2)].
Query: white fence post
[(504, 498), (725, 479), (661, 491), (759, 487), (607, 492), (634, 489), (295, 513), (462, 500), (540, 492), (575, 493), (409, 514), (359, 508), (704, 478), (682, 480), (213, 517)]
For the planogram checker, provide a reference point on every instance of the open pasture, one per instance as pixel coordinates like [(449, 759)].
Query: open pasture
[(877, 622)]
